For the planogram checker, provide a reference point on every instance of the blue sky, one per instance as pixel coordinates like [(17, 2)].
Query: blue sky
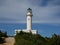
[(44, 11)]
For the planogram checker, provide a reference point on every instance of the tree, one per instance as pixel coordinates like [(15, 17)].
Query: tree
[(55, 39)]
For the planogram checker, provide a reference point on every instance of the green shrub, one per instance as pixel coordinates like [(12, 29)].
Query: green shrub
[(24, 38), (2, 37)]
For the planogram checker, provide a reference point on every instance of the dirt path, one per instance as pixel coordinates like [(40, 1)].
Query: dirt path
[(9, 41)]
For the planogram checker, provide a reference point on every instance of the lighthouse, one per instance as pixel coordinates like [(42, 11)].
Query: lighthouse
[(29, 19), (29, 23)]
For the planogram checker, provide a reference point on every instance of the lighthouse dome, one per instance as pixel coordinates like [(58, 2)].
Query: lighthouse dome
[(29, 12)]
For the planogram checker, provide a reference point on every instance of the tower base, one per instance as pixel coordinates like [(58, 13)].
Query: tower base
[(24, 30)]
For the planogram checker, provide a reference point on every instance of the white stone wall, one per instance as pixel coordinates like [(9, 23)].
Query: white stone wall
[(33, 31)]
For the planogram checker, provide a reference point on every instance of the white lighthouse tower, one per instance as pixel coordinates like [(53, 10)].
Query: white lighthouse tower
[(29, 19), (29, 23)]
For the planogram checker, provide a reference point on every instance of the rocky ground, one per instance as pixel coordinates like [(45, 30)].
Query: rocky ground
[(9, 41)]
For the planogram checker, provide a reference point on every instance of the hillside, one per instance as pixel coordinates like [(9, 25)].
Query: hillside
[(23, 38)]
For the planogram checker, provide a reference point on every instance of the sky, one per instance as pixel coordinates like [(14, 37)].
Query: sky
[(44, 11)]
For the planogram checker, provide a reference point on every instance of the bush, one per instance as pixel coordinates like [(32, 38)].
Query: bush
[(2, 37), (24, 38), (1, 40)]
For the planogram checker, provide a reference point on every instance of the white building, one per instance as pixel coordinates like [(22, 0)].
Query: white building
[(29, 23)]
